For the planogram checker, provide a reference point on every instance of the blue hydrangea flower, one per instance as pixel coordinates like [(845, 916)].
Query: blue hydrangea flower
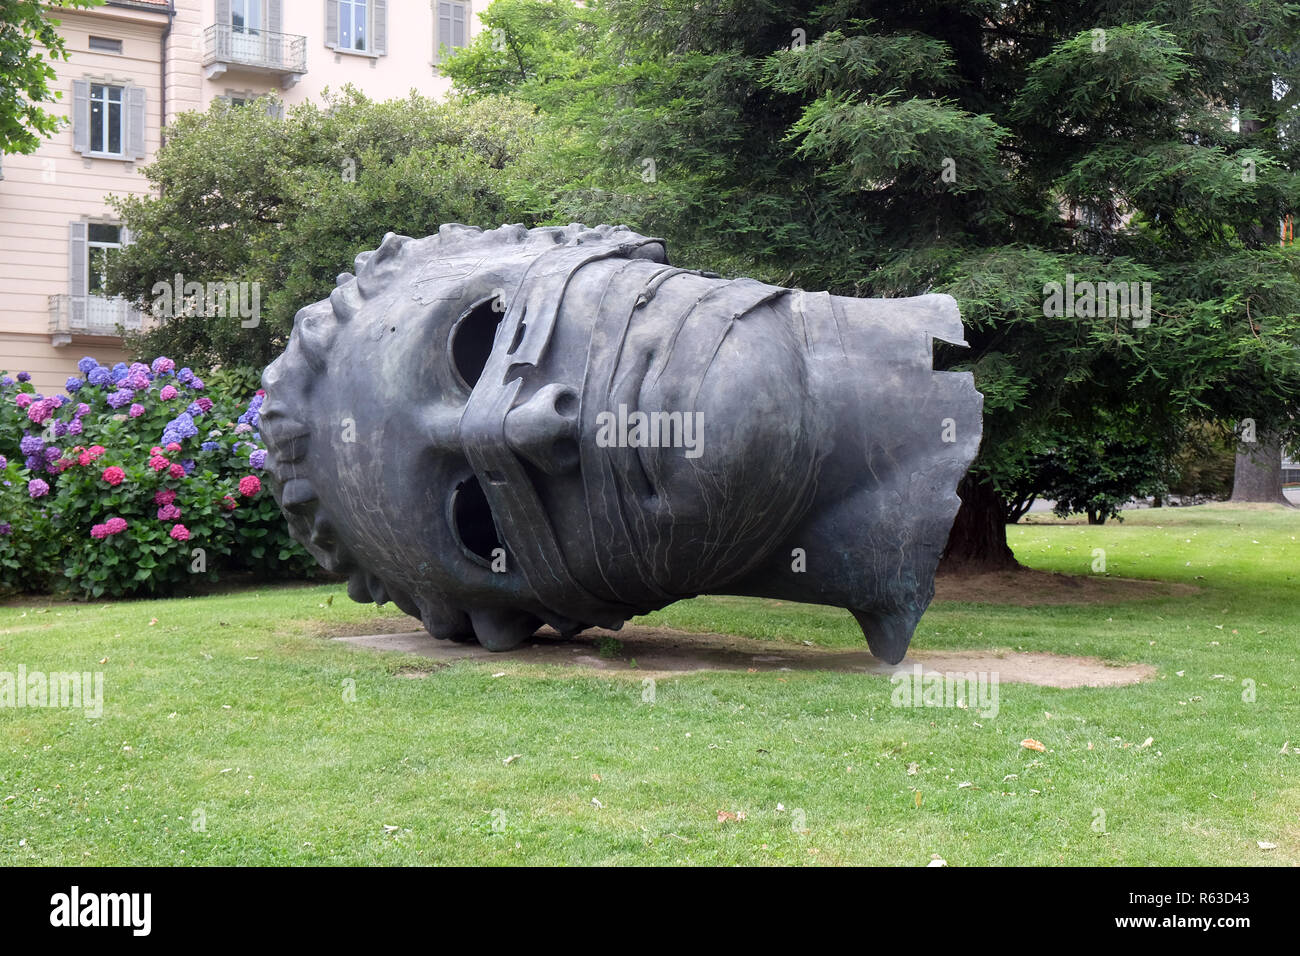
[(187, 464), (6, 380), (122, 396), (73, 384), (86, 364), (210, 446), (184, 375), (179, 428), (99, 376), (120, 371)]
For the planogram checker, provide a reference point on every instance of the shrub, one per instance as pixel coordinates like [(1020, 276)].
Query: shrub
[(141, 479)]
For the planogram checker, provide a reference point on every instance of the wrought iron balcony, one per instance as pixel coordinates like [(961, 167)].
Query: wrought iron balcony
[(259, 51), (91, 315)]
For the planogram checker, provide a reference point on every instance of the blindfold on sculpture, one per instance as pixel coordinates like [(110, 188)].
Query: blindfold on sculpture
[(508, 428)]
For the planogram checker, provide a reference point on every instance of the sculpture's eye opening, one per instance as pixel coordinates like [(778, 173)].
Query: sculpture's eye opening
[(471, 522), (472, 338)]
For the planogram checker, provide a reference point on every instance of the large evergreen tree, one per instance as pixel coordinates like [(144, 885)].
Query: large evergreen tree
[(984, 148)]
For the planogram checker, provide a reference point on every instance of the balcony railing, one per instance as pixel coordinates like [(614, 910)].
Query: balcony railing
[(261, 50), (90, 315)]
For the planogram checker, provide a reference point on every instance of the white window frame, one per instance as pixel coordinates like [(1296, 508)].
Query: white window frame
[(91, 246), (350, 6), (448, 42), (105, 124)]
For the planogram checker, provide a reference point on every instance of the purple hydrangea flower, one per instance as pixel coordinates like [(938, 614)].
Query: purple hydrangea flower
[(162, 365), (187, 464), (196, 384), (121, 397), (74, 427), (6, 380), (24, 376), (52, 453), (6, 527), (32, 445), (99, 376), (62, 400), (82, 409), (33, 462), (73, 383), (60, 429), (184, 375), (137, 378), (4, 462), (86, 364), (37, 488), (195, 409), (258, 458), (135, 411)]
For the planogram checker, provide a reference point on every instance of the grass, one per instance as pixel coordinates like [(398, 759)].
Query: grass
[(233, 733)]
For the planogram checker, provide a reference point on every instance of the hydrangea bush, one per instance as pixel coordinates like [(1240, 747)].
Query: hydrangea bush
[(140, 479)]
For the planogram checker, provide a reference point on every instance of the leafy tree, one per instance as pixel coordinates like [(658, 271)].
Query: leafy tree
[(241, 196), (985, 149), (29, 44)]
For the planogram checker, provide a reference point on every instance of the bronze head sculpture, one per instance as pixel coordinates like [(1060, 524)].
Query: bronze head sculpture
[(499, 429)]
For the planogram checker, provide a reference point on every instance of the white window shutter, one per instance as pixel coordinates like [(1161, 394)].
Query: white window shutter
[(78, 253), (223, 15), (332, 23), (379, 26), (274, 16), (136, 123), (81, 116)]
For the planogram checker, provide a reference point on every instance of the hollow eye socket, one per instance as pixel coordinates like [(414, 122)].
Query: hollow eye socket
[(471, 340), (471, 522)]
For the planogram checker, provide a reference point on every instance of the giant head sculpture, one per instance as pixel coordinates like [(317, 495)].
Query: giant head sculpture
[(507, 428)]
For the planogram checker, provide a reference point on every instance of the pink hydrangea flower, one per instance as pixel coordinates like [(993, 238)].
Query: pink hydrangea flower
[(39, 412), (176, 471), (168, 513), (23, 399), (136, 410), (114, 476), (115, 525), (249, 485), (99, 532), (164, 497), (173, 446), (180, 532), (158, 462), (168, 393), (97, 451), (231, 503), (82, 409)]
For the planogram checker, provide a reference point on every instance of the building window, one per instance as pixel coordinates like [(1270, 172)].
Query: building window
[(246, 16), (105, 44), (352, 25), (357, 26), (106, 119), (102, 240), (451, 30)]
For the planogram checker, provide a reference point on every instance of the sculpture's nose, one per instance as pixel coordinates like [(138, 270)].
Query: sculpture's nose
[(544, 429)]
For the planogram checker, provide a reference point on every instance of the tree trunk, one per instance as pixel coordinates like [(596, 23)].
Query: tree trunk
[(978, 540), (1258, 473)]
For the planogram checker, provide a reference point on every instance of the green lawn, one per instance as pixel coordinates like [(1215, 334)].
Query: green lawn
[(230, 713)]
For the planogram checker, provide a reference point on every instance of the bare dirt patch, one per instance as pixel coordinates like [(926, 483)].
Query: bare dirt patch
[(1029, 588), (656, 652)]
